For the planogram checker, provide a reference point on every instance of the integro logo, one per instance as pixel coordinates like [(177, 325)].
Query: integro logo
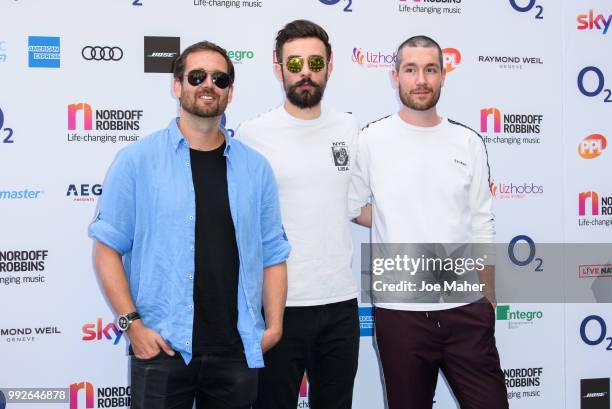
[(373, 59), (590, 204), (492, 121), (84, 192), (239, 56), (44, 52), (105, 397), (515, 190), (452, 58), (517, 318), (592, 146), (99, 332), (105, 120), (592, 21)]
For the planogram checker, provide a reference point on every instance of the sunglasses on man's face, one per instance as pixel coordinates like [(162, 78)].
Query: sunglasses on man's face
[(295, 64), (197, 77)]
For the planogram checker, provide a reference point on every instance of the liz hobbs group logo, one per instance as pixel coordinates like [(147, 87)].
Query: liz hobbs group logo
[(512, 190), (594, 209), (513, 129), (107, 125), (373, 58), (432, 7)]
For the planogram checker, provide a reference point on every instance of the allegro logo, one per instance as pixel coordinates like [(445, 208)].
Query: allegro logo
[(452, 58), (74, 395), (73, 109), (591, 21), (592, 146), (97, 331)]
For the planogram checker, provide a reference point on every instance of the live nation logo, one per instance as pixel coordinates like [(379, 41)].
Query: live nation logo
[(595, 270)]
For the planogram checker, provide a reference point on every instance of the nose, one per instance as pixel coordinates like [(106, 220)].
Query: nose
[(420, 79)]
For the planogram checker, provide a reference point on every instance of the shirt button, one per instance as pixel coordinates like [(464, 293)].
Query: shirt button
[(190, 217), (190, 276), (187, 343), (191, 247), (190, 307), (187, 163)]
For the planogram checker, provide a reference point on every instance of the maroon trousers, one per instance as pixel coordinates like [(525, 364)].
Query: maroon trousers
[(414, 345)]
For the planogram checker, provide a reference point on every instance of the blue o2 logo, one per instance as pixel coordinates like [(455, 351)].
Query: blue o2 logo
[(7, 133), (347, 8), (598, 333), (520, 259), (600, 83), (527, 6)]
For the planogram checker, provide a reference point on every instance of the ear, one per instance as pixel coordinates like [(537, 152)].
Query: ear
[(443, 76), (330, 65), (230, 94), (395, 78), (278, 71), (177, 88)]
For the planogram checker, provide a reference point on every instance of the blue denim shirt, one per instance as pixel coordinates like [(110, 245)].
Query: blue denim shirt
[(147, 214)]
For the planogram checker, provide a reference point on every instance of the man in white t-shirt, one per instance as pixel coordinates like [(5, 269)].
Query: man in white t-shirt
[(309, 149), (427, 178)]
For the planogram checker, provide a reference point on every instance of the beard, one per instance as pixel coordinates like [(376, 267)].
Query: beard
[(304, 98), (412, 102), (190, 104)]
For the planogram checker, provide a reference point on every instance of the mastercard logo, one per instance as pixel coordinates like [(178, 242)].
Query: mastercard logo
[(592, 146)]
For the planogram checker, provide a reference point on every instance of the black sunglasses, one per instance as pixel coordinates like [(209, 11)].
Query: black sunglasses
[(220, 79)]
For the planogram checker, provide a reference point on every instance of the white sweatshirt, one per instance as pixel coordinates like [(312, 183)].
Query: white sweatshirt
[(426, 184), (311, 160)]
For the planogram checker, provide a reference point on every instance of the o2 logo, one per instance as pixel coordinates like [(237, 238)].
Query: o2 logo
[(136, 2), (8, 131), (531, 257), (531, 4), (599, 87), (347, 8), (599, 336)]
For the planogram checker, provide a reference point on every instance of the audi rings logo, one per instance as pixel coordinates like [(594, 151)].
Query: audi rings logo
[(102, 53)]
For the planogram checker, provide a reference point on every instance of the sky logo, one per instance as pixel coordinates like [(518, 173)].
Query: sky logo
[(591, 21), (73, 109), (43, 52), (484, 116), (74, 395), (97, 332)]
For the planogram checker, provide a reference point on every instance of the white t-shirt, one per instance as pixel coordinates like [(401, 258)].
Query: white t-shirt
[(311, 160), (426, 184)]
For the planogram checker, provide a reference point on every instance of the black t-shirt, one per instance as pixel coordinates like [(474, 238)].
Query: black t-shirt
[(216, 257)]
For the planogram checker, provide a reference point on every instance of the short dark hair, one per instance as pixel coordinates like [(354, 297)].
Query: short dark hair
[(301, 29), (179, 64), (418, 41)]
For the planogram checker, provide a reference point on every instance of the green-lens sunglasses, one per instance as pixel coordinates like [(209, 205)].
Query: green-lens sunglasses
[(295, 64)]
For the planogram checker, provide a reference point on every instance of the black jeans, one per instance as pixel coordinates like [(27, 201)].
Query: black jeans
[(324, 341), (214, 381)]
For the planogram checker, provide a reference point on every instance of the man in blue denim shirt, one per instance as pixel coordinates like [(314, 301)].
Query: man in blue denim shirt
[(188, 243)]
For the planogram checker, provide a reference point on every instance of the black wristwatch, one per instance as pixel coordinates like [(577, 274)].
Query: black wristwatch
[(124, 321)]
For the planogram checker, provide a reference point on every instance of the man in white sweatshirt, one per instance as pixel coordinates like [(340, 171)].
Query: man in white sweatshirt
[(309, 148), (427, 178)]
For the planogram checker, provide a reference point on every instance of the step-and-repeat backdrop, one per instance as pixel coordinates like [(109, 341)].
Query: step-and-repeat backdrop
[(80, 80)]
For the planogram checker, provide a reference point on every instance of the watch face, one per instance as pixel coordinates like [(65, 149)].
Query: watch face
[(122, 323)]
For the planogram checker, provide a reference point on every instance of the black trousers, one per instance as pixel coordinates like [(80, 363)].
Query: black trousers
[(324, 341), (414, 345), (214, 381)]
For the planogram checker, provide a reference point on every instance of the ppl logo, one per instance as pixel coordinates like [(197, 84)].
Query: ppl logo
[(98, 331), (43, 52), (452, 58), (484, 116), (592, 146), (74, 394), (73, 109), (591, 21)]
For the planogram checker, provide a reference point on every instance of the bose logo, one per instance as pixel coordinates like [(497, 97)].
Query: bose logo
[(595, 395), (164, 55)]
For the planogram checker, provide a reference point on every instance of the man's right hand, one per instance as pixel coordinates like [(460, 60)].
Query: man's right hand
[(146, 343)]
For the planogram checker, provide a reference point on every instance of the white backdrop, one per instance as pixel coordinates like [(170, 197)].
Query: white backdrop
[(521, 57)]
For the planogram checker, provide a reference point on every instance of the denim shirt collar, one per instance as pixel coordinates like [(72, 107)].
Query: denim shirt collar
[(177, 138)]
